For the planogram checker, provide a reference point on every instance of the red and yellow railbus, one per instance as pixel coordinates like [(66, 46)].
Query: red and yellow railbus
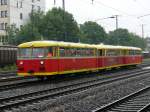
[(45, 58)]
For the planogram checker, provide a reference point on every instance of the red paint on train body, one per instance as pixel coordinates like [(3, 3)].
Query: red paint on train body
[(70, 64), (42, 58)]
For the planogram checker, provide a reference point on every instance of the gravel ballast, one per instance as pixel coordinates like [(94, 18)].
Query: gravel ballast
[(52, 84), (91, 99)]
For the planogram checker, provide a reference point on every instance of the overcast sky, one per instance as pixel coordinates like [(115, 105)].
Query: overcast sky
[(128, 11)]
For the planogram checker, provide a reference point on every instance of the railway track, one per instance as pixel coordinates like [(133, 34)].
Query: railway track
[(8, 73), (34, 97), (144, 64), (135, 102), (12, 78), (24, 83), (19, 84), (13, 82)]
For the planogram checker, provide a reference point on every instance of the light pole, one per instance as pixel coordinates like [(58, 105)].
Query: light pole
[(63, 7), (114, 16), (142, 30), (63, 4), (143, 24), (104, 18), (54, 2)]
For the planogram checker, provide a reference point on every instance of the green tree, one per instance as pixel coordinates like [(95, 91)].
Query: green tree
[(28, 33), (60, 25), (119, 37), (36, 19), (32, 30), (92, 33), (137, 41), (125, 38), (11, 34)]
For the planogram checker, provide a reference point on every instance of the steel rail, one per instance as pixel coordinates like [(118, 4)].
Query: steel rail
[(16, 85), (135, 102), (25, 99), (6, 86), (145, 108)]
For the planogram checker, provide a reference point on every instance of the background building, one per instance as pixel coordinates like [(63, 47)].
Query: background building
[(16, 12)]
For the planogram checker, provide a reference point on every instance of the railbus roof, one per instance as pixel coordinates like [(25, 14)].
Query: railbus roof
[(71, 44), (118, 47), (55, 43)]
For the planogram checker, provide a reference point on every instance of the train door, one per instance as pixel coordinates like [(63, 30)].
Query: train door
[(125, 55), (56, 54), (0, 55), (61, 55), (100, 57), (51, 59)]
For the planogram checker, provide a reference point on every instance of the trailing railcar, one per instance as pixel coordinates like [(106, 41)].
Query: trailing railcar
[(45, 58), (146, 54), (8, 55)]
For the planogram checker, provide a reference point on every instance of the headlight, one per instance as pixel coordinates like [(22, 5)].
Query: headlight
[(21, 62), (41, 62)]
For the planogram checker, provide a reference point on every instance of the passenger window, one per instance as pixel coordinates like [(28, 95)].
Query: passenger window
[(49, 52), (123, 52), (138, 52), (100, 52), (62, 52), (55, 51)]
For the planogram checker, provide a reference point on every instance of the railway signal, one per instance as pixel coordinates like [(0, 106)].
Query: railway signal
[(92, 1)]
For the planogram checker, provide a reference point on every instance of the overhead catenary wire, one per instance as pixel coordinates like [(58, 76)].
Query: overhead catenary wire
[(141, 5), (118, 10), (143, 16)]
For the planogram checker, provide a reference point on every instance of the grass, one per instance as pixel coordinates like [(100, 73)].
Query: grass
[(146, 60), (8, 68)]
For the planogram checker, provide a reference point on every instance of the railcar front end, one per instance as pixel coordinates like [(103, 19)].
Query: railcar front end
[(36, 61)]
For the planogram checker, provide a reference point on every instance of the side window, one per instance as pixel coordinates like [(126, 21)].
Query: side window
[(117, 52), (138, 52), (62, 52), (72, 52), (111, 52), (90, 52), (76, 52), (81, 52), (132, 52), (100, 52), (55, 51), (49, 52), (124, 52), (68, 52)]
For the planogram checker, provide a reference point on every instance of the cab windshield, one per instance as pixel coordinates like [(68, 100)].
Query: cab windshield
[(24, 52), (34, 52)]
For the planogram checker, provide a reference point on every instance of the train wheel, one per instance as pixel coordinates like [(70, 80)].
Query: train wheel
[(50, 78), (41, 78)]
